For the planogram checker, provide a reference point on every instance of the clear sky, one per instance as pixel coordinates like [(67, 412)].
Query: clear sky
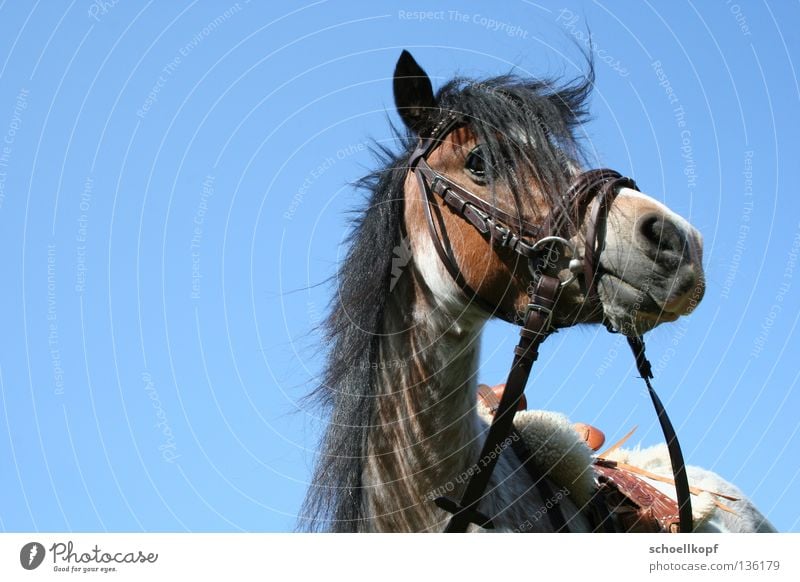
[(174, 187)]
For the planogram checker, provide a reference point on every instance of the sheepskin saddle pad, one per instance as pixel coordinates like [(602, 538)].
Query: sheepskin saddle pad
[(624, 489)]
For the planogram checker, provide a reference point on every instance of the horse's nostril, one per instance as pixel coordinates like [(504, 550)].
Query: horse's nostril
[(662, 236)]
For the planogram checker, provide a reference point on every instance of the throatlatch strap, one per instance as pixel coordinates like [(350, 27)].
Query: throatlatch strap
[(673, 446), (534, 331)]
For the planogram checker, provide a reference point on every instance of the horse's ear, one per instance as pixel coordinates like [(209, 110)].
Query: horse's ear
[(413, 93)]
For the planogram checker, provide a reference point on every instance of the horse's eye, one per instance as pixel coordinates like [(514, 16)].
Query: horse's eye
[(476, 162)]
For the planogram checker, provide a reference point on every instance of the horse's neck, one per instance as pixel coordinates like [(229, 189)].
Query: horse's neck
[(425, 422)]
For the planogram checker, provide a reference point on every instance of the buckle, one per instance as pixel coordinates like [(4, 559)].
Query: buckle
[(547, 311), (501, 234), (438, 179)]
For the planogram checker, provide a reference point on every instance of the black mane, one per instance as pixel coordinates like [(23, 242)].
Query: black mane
[(506, 113)]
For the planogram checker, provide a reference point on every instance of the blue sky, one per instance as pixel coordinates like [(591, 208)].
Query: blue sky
[(174, 187)]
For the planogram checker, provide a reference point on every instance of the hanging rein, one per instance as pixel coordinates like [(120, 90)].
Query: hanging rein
[(538, 246)]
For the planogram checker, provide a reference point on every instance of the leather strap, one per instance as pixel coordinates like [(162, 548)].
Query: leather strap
[(682, 491), (485, 217), (606, 183)]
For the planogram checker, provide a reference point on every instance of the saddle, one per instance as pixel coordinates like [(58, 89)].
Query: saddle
[(615, 495)]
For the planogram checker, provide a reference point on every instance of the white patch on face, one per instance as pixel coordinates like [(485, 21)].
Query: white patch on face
[(673, 217)]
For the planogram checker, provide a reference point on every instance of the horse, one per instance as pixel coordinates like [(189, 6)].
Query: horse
[(421, 279)]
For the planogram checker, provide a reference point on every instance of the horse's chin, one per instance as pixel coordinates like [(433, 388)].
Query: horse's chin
[(629, 309)]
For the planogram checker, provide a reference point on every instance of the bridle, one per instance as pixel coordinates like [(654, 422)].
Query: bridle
[(537, 245), (498, 226)]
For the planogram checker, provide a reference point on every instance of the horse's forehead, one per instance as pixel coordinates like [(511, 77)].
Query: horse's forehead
[(516, 136), (468, 135)]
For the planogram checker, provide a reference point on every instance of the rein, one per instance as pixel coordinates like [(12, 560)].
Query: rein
[(535, 244)]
